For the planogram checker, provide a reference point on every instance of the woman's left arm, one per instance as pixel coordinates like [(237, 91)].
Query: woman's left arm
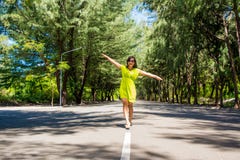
[(144, 73)]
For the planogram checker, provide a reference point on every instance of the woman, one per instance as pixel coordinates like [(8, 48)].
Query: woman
[(127, 86)]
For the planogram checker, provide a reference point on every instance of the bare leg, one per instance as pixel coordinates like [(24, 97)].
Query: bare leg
[(130, 106), (126, 112)]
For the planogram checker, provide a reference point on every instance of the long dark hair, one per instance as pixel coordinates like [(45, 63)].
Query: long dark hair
[(135, 61)]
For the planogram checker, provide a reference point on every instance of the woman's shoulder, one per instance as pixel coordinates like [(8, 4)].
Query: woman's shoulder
[(137, 69), (123, 66)]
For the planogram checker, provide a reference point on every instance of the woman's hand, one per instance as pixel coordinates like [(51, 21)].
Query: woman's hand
[(158, 78), (104, 55), (144, 73), (118, 65)]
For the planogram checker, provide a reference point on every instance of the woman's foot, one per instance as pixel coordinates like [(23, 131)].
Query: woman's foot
[(127, 126)]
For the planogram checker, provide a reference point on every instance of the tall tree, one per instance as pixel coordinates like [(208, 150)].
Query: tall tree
[(237, 22)]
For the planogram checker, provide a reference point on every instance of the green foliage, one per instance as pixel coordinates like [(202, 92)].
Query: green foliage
[(187, 48), (45, 30)]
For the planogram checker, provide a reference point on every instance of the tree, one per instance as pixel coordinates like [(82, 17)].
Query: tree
[(237, 23)]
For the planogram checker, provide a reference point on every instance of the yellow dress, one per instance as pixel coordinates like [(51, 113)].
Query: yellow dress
[(127, 86)]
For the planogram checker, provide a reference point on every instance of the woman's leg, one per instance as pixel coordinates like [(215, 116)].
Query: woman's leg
[(126, 111), (130, 106)]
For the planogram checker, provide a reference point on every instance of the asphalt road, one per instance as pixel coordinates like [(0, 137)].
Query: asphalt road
[(159, 132)]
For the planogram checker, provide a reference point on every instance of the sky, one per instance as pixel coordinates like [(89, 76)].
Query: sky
[(143, 16)]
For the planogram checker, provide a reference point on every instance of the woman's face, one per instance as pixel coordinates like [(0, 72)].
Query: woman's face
[(131, 62)]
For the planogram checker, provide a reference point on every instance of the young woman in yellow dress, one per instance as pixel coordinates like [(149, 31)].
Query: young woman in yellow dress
[(127, 86)]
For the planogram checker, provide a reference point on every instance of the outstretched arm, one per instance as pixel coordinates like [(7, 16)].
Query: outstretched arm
[(143, 73), (118, 65)]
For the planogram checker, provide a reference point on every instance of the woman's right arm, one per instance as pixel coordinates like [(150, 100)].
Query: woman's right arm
[(118, 65)]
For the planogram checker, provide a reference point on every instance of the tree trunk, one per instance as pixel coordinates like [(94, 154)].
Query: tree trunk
[(181, 87), (167, 91), (195, 75), (174, 88), (195, 91), (109, 96), (52, 87), (178, 86), (216, 91), (60, 45), (64, 88), (237, 21), (217, 81), (181, 92), (173, 94), (102, 97), (213, 89), (159, 91), (79, 99), (204, 89), (155, 90), (188, 88), (222, 83), (93, 92), (233, 69), (189, 76), (70, 62)]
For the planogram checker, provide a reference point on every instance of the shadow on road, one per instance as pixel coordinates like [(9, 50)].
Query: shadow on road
[(18, 122), (218, 128), (197, 113), (147, 154), (31, 150)]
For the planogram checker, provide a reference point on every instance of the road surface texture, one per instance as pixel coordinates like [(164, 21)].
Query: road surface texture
[(159, 132)]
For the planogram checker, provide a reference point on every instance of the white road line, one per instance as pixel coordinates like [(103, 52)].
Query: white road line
[(126, 149)]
